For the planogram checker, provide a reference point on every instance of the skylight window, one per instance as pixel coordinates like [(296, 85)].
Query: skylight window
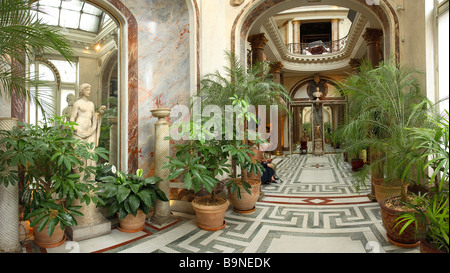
[(72, 14)]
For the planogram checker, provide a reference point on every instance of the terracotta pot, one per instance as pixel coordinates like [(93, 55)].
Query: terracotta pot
[(42, 239), (408, 238), (383, 192), (426, 247), (131, 224), (210, 217), (247, 202)]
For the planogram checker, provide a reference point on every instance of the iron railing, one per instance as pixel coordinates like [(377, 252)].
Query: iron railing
[(317, 47)]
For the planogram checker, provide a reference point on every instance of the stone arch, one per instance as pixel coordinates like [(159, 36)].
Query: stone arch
[(380, 16)]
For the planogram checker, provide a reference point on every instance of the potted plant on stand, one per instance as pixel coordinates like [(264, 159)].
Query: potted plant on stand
[(130, 197), (47, 154), (253, 86)]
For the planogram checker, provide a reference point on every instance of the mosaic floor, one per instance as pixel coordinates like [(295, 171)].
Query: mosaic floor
[(314, 210)]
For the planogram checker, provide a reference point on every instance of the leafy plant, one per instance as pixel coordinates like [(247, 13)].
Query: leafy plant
[(126, 193), (52, 162), (430, 213), (51, 213)]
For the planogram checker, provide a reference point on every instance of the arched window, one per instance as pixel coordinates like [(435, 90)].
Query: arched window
[(57, 80)]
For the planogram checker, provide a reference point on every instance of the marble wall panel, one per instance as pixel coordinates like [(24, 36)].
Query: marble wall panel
[(163, 49)]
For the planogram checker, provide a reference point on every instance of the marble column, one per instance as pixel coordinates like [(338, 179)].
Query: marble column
[(276, 72), (296, 34), (162, 215), (373, 38), (335, 34), (9, 203), (257, 42)]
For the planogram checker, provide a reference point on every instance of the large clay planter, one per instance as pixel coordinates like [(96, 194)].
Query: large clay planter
[(132, 224), (42, 239), (210, 217), (383, 192), (408, 238), (425, 247), (246, 204)]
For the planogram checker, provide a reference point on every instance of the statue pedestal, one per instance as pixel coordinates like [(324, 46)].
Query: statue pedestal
[(318, 147), (91, 225)]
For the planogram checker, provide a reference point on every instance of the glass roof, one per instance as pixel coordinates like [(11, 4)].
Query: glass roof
[(72, 14)]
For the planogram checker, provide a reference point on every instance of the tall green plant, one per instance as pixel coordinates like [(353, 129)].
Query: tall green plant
[(22, 36), (48, 156), (383, 103)]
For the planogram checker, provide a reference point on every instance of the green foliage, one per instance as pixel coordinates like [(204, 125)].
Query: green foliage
[(430, 212), (125, 193), (51, 159), (49, 213), (383, 104)]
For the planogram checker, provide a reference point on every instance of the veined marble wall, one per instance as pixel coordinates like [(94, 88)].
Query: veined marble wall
[(164, 64)]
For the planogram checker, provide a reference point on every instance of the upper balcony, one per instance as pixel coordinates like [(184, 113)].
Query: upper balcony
[(317, 47)]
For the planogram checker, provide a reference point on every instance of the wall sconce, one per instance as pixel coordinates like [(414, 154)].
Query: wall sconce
[(98, 47)]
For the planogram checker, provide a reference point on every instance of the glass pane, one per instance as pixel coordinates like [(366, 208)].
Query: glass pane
[(91, 9), (46, 97), (69, 18), (50, 3), (72, 5), (443, 29), (49, 15), (45, 73), (67, 71), (89, 22)]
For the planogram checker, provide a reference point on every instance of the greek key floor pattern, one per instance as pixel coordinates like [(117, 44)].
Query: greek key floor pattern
[(315, 209)]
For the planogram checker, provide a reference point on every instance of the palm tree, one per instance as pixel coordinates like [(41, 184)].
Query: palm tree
[(254, 85), (383, 104), (23, 35)]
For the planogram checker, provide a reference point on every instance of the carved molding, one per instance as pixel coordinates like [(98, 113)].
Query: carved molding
[(236, 3)]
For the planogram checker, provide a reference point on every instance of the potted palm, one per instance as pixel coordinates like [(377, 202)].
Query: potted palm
[(47, 154), (130, 197), (430, 214), (252, 86), (385, 102)]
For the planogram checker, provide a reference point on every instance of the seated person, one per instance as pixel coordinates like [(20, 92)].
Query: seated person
[(268, 176)]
